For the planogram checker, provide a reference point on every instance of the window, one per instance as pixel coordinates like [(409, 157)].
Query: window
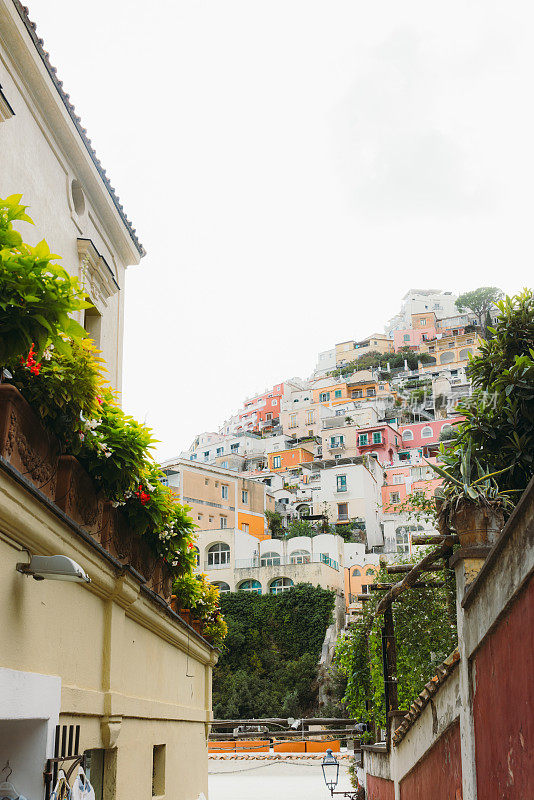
[(377, 437), (394, 497), (403, 540), (244, 496), (218, 554), (280, 585), (222, 587), (206, 455), (342, 511), (371, 392), (363, 439), (310, 418), (268, 416), (337, 393), (356, 573), (193, 457), (357, 393), (427, 432), (270, 559), (381, 386), (158, 770), (224, 464), (224, 522), (292, 420), (234, 447), (300, 557), (250, 586), (324, 397), (406, 337), (277, 462), (396, 479), (371, 571), (422, 321), (337, 441), (275, 402), (446, 358), (224, 491), (245, 527), (407, 436), (211, 519), (341, 481)]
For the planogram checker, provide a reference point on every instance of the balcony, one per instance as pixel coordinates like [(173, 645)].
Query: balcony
[(342, 517), (208, 566), (337, 446), (284, 561)]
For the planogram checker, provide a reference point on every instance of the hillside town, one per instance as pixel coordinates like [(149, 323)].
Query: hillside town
[(330, 594), (309, 480)]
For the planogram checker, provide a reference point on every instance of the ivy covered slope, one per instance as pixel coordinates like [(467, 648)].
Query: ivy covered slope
[(273, 647), (61, 375), (425, 632)]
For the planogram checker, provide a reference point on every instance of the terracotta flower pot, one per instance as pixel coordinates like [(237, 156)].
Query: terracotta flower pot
[(25, 444), (77, 496), (196, 624), (185, 614), (477, 524)]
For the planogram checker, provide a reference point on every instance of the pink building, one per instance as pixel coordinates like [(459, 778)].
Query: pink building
[(401, 481), (423, 436), (382, 439), (423, 327)]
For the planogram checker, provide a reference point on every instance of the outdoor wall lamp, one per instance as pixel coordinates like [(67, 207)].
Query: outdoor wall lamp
[(54, 568), (330, 767)]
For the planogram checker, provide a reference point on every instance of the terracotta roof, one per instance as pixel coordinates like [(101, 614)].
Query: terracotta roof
[(52, 71), (423, 698)]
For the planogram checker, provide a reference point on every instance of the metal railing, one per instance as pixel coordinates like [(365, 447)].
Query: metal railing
[(209, 566), (285, 561)]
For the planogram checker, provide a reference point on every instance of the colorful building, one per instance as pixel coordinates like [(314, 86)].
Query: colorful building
[(422, 326), (381, 440), (423, 437), (351, 350), (219, 498), (450, 350), (283, 460)]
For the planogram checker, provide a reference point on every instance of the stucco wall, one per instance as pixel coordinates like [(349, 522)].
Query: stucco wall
[(439, 774), (380, 788)]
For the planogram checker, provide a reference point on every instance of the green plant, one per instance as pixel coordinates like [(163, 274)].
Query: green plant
[(425, 632), (64, 390), (36, 295), (274, 522), (479, 301), (299, 527)]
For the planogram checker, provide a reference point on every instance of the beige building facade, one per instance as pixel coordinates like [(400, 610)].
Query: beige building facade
[(220, 498), (108, 656), (45, 155)]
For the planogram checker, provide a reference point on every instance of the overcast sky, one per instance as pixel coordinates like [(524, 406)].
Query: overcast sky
[(293, 167)]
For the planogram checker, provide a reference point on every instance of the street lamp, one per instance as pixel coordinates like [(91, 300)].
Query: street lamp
[(330, 766)]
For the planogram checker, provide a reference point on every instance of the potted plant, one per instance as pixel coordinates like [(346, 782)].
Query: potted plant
[(469, 500)]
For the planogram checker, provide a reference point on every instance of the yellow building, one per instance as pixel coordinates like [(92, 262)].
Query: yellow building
[(450, 350), (220, 498), (351, 350), (109, 656)]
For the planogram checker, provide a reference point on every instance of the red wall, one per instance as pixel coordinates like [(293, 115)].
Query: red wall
[(380, 788), (503, 705), (438, 775)]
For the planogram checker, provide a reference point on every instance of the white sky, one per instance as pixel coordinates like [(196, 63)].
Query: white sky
[(293, 167)]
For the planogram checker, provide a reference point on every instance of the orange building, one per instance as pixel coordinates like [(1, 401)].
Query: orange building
[(357, 578), (283, 460), (402, 480)]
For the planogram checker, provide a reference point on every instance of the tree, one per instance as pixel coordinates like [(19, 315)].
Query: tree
[(499, 426), (479, 301), (274, 522), (300, 527)]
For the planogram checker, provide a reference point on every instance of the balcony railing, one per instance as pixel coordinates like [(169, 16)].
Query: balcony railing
[(285, 561), (207, 565)]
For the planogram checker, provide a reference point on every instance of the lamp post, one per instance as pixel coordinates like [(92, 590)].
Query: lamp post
[(330, 767)]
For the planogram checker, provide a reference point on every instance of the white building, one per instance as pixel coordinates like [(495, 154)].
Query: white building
[(417, 301), (326, 361), (347, 490)]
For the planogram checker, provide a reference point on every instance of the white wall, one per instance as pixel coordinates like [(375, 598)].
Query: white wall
[(29, 713)]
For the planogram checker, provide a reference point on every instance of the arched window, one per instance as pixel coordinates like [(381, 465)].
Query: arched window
[(250, 586), (370, 571), (280, 585), (356, 572), (464, 354), (270, 560), (427, 432), (407, 436), (403, 540), (446, 358), (300, 557), (222, 586), (218, 555), (197, 555)]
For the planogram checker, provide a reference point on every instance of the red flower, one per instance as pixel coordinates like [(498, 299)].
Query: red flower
[(191, 546), (142, 495), (99, 400), (30, 363)]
